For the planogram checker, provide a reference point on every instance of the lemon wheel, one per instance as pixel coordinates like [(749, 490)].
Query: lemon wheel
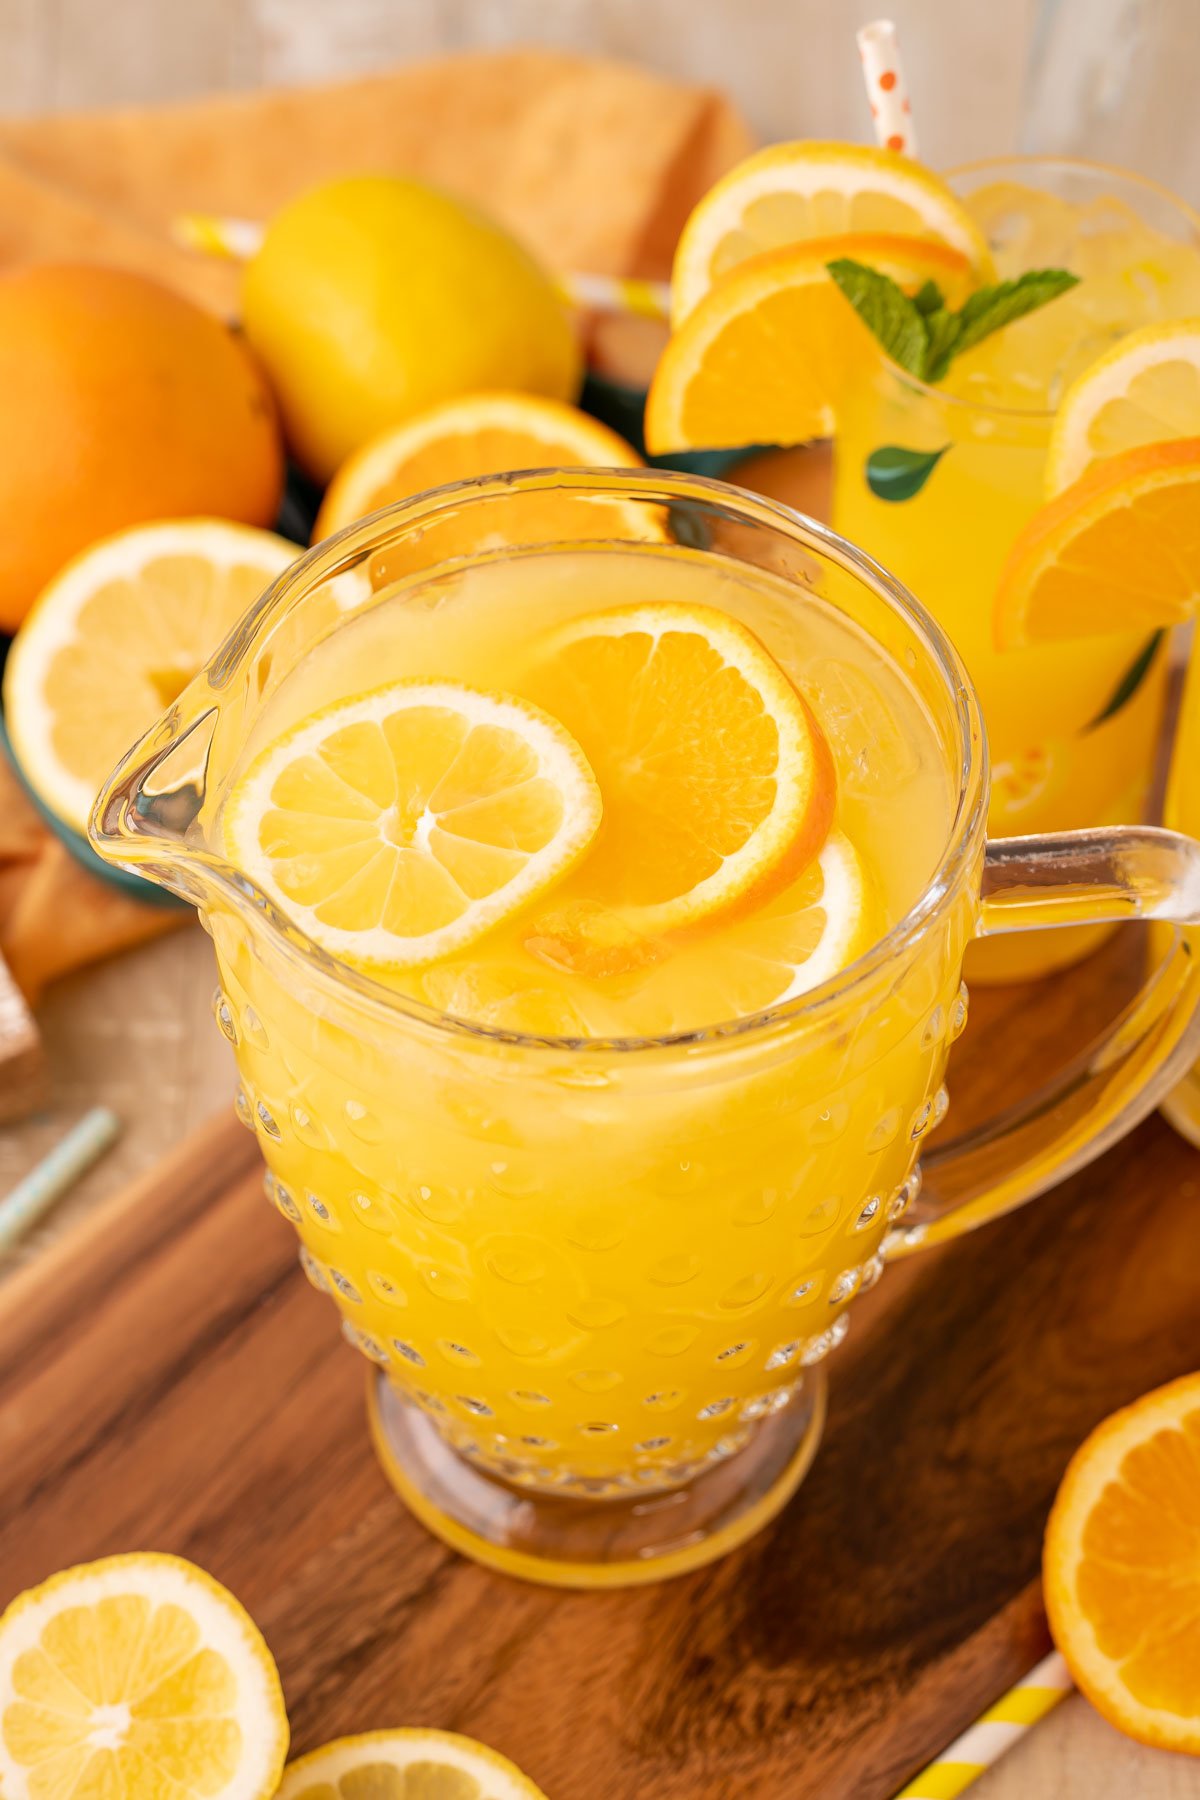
[(788, 193), (133, 1676)]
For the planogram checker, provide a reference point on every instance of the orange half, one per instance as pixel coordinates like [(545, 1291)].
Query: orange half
[(476, 435), (1117, 551), (1122, 1567)]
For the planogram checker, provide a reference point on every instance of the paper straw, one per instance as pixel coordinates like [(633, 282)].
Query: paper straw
[(998, 1730), (58, 1171), (237, 239), (618, 293), (887, 90)]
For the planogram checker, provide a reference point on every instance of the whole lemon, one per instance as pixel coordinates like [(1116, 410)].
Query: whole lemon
[(120, 401), (373, 297)]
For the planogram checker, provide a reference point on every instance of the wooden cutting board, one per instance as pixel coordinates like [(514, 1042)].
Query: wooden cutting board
[(168, 1380)]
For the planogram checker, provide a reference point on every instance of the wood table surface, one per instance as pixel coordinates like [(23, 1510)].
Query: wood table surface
[(137, 1034)]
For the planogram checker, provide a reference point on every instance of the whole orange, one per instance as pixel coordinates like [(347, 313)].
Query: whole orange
[(120, 401)]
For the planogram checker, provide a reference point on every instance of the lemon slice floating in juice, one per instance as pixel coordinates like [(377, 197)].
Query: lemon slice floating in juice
[(406, 1765), (717, 781), (399, 826), (137, 1675), (583, 979), (789, 193)]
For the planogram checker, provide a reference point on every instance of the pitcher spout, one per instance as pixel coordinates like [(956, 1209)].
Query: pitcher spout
[(149, 815)]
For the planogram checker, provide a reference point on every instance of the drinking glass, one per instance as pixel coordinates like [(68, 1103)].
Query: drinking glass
[(597, 1279), (1073, 727), (1181, 808)]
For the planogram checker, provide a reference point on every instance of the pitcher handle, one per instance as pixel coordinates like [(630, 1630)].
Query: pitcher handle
[(1074, 878)]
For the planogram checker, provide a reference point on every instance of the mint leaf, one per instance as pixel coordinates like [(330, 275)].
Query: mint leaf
[(943, 330), (928, 299), (894, 473), (1130, 681), (921, 334), (886, 310), (990, 308)]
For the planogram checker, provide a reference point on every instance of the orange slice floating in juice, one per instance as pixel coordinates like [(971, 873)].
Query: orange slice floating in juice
[(1122, 1567), (403, 824), (717, 781), (813, 927), (790, 193), (594, 977), (764, 355), (1117, 551), (1025, 783)]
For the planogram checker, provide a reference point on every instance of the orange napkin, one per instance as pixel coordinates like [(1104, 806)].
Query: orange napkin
[(54, 915), (595, 164)]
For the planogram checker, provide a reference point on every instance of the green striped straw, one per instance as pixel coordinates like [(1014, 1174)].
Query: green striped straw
[(37, 1192)]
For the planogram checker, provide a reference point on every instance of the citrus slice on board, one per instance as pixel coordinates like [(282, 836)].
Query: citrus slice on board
[(717, 781), (1146, 390), (1121, 1567), (406, 1765), (478, 434), (763, 358), (1117, 551), (792, 192), (116, 637), (401, 825), (137, 1675)]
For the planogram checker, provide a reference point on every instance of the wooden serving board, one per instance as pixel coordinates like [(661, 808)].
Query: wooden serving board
[(168, 1380)]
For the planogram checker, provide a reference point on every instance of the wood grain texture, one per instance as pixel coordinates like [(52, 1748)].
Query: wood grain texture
[(168, 1380)]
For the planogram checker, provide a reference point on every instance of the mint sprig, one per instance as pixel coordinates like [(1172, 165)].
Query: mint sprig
[(921, 333)]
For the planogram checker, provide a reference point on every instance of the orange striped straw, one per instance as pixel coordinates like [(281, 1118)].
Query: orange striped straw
[(887, 90)]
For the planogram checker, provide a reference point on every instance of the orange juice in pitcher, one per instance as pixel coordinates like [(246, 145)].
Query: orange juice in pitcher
[(623, 718), (590, 858)]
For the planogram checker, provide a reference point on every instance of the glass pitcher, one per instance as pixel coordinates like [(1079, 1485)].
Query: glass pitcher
[(597, 1279)]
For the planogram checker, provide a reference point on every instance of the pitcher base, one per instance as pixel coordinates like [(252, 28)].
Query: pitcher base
[(594, 1544)]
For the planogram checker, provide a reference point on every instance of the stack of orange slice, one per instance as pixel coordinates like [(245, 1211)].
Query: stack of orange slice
[(762, 343), (1116, 547), (762, 340)]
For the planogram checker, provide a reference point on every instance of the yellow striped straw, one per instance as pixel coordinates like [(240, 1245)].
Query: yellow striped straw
[(985, 1742), (618, 293), (237, 239)]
